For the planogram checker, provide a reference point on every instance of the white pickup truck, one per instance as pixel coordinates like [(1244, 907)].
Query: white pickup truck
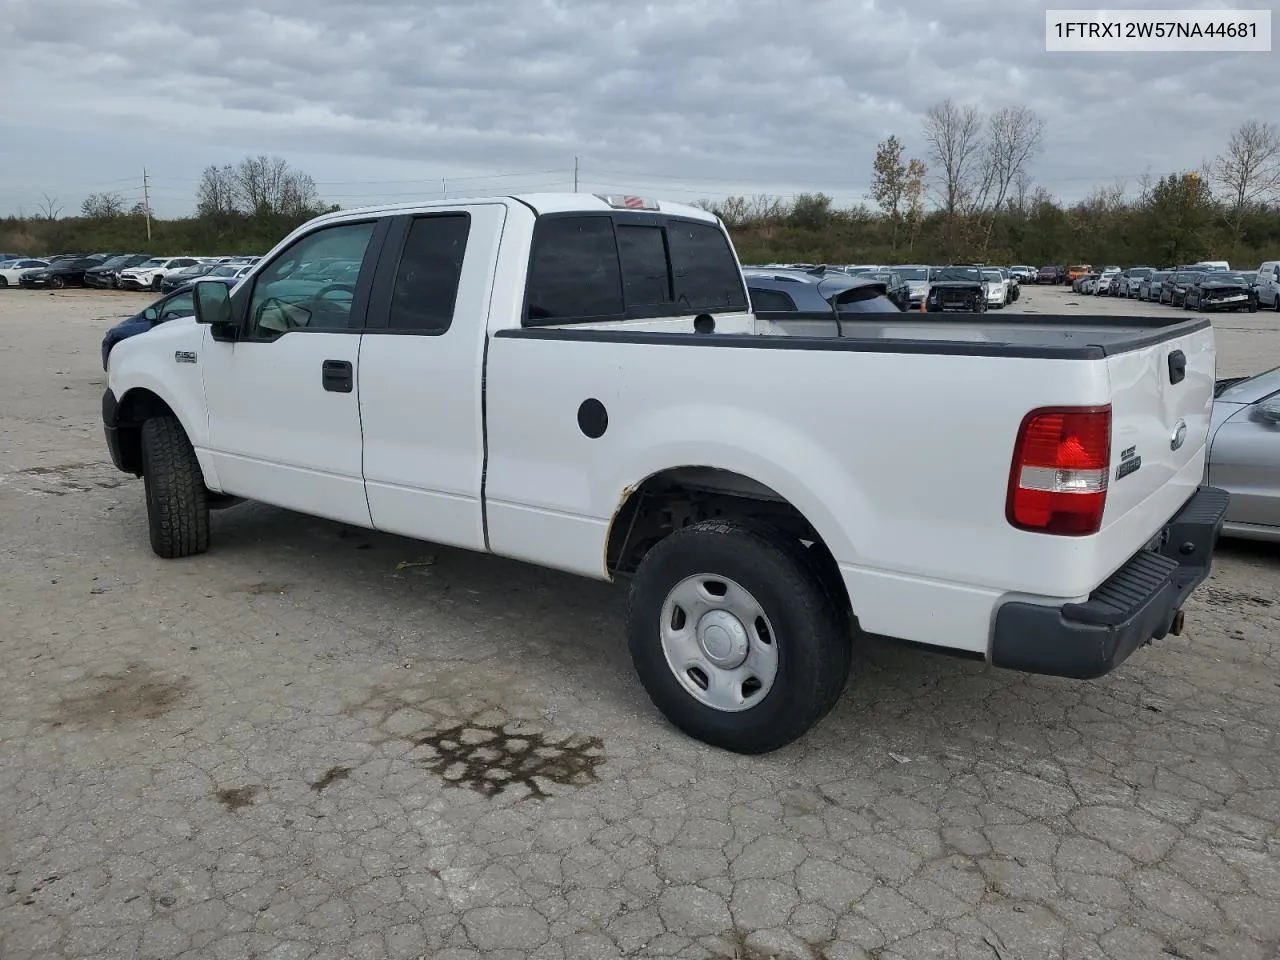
[(579, 382)]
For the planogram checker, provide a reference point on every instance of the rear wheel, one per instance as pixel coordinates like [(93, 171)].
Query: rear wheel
[(736, 635), (57, 283), (177, 500)]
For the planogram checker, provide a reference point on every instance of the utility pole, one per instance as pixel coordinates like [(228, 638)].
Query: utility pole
[(146, 202), (575, 174)]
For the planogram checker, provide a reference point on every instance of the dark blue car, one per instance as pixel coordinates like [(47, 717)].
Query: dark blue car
[(180, 303)]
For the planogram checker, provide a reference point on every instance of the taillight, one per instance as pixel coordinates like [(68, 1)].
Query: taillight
[(1061, 462)]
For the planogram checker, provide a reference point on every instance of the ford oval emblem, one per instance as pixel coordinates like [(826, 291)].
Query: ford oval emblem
[(1179, 435)]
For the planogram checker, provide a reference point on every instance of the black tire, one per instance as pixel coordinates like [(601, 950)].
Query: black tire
[(177, 501), (156, 283), (57, 283), (4, 282), (812, 632)]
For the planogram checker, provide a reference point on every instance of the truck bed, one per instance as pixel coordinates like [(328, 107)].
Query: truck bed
[(1047, 336)]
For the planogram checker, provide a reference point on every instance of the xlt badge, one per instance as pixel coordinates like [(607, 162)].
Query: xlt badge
[(1130, 462)]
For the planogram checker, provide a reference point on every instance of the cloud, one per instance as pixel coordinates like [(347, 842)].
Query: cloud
[(683, 98)]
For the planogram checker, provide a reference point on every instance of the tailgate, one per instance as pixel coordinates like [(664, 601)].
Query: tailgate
[(1162, 398)]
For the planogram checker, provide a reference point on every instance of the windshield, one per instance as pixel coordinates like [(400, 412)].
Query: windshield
[(1228, 276), (1159, 275), (224, 271), (992, 275), (1250, 389), (154, 262), (1185, 276), (970, 274), (913, 273), (1140, 272)]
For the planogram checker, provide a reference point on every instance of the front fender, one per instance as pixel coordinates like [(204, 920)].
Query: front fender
[(159, 361)]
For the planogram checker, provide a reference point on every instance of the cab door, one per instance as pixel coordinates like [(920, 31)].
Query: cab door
[(283, 400)]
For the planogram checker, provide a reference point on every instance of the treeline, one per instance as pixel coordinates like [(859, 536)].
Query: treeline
[(970, 197), (243, 208), (1175, 220)]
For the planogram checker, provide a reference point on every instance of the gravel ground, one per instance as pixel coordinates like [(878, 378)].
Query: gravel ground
[(316, 742)]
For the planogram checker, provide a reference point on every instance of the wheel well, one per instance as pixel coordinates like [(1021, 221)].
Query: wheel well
[(138, 406), (672, 499)]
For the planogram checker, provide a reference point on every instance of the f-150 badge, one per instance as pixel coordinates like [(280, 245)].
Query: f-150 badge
[(184, 356)]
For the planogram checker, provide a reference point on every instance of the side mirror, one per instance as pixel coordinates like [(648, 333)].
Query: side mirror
[(150, 314), (213, 304), (1268, 412)]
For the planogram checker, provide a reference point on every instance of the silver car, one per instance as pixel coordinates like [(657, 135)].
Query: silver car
[(1131, 279), (917, 277), (1244, 453)]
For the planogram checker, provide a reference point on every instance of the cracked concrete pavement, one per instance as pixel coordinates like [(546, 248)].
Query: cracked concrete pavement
[(316, 742)]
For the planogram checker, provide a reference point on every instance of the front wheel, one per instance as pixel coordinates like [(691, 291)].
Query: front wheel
[(177, 500), (156, 282), (736, 635), (4, 282), (57, 283)]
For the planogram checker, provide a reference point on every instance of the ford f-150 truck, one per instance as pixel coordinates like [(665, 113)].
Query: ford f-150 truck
[(580, 382)]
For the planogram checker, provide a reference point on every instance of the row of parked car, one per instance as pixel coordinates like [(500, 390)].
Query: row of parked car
[(123, 271), (1201, 287), (968, 287)]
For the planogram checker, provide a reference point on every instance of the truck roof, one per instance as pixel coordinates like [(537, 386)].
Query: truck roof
[(540, 202)]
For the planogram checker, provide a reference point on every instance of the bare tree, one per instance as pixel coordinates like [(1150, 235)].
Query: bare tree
[(216, 194), (763, 207), (102, 206), (1014, 135), (269, 185), (1022, 184), (954, 135), (1248, 172), (50, 209)]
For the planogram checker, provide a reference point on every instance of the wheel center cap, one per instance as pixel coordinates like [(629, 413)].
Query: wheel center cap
[(723, 639)]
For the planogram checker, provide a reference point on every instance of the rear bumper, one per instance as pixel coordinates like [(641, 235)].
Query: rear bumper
[(1138, 603)]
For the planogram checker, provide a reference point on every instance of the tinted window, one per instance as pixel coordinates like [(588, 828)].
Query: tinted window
[(426, 287), (287, 297), (771, 300), (573, 273), (646, 279), (706, 274)]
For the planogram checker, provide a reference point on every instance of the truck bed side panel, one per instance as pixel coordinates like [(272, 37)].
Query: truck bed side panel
[(907, 496)]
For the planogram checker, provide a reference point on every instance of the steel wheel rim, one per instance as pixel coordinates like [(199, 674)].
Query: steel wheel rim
[(718, 643)]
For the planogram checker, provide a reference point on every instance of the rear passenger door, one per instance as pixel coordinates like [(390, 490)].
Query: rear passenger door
[(421, 374)]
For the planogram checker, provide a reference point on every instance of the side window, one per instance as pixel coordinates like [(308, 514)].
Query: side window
[(771, 300), (706, 274), (426, 286), (180, 306), (310, 286), (573, 271), (646, 277)]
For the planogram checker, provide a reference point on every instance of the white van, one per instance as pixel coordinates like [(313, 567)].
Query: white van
[(1210, 265), (1268, 285)]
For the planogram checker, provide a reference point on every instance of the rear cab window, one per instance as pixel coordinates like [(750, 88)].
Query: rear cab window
[(616, 266)]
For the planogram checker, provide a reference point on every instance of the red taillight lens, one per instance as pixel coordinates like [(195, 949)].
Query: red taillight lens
[(1061, 462)]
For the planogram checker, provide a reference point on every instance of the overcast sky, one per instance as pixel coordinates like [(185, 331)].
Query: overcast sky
[(387, 100)]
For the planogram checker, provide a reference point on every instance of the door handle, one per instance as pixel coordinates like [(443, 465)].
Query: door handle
[(1177, 366), (337, 376)]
